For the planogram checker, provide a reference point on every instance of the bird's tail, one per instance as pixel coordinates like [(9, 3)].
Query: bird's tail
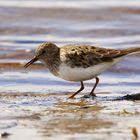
[(132, 50)]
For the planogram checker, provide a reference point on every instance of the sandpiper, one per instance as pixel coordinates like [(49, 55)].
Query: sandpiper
[(79, 63)]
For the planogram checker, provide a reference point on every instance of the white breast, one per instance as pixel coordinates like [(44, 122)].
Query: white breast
[(82, 74)]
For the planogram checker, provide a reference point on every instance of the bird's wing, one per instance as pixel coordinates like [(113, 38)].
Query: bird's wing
[(86, 56)]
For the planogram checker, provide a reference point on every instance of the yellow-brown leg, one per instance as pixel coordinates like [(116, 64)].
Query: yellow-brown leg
[(92, 91), (81, 88)]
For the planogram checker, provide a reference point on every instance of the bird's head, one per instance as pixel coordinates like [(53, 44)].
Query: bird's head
[(43, 52)]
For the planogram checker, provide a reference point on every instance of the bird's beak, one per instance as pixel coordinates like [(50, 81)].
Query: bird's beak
[(34, 59)]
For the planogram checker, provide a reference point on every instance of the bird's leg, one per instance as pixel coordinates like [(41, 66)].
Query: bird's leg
[(92, 91), (81, 88)]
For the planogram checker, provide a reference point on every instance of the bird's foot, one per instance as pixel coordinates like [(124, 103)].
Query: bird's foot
[(71, 97), (90, 96)]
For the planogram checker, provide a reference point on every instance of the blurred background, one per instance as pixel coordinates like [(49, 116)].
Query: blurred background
[(25, 24)]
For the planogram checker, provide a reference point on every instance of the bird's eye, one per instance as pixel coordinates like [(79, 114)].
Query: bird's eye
[(43, 51)]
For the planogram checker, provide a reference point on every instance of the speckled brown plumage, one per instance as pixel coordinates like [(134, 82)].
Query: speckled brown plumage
[(86, 56)]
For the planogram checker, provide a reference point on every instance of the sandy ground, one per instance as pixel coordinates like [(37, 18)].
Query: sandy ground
[(52, 116)]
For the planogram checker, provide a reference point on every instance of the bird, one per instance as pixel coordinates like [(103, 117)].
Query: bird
[(78, 63)]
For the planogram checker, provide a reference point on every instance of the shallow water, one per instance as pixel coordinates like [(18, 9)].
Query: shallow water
[(34, 101)]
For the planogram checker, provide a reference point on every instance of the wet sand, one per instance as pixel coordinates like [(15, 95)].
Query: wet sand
[(51, 116)]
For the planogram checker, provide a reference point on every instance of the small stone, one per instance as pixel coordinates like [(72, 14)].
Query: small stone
[(4, 134)]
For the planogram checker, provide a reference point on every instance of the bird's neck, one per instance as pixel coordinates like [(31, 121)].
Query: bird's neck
[(52, 62)]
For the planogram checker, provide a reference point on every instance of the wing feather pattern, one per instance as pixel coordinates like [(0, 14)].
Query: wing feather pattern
[(86, 56)]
